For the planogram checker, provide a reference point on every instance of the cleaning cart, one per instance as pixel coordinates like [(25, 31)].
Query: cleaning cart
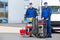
[(37, 28)]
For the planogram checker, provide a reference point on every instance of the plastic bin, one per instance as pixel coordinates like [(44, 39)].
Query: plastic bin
[(22, 32)]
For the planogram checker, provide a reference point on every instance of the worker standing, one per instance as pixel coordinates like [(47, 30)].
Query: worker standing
[(31, 13), (46, 15)]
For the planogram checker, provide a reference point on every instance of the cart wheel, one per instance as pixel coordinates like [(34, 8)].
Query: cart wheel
[(37, 35)]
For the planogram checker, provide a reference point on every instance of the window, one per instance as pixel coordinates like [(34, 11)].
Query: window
[(56, 9), (3, 9)]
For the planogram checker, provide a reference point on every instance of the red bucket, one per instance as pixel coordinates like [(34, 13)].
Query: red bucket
[(22, 32)]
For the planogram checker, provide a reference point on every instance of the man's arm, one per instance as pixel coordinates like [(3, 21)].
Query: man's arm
[(26, 13), (50, 12)]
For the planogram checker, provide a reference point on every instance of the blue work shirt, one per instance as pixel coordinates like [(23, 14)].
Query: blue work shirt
[(31, 12), (46, 12)]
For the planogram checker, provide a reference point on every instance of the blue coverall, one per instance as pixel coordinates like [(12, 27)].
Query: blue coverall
[(46, 13), (31, 12)]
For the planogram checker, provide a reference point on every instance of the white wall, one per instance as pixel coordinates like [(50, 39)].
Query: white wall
[(15, 11)]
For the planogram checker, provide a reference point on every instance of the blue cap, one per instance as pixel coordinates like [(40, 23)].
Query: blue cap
[(30, 3), (45, 3)]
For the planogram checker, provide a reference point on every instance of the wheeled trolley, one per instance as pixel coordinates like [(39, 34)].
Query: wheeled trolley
[(39, 28)]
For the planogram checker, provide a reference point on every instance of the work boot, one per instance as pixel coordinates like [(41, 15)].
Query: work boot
[(30, 36), (49, 36)]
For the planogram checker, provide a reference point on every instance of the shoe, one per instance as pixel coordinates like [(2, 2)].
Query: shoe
[(49, 36), (30, 36)]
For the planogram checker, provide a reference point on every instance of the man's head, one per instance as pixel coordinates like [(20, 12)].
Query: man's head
[(30, 5), (45, 4)]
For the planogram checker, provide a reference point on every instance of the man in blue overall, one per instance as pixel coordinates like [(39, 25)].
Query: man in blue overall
[(46, 15), (31, 13)]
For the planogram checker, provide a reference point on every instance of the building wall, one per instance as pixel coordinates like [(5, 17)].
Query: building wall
[(15, 11)]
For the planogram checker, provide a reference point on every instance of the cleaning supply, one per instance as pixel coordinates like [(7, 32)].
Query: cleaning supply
[(22, 32), (31, 19), (29, 29)]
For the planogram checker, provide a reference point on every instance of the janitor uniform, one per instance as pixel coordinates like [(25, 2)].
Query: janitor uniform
[(46, 13)]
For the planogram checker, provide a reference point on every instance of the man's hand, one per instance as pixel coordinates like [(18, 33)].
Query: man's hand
[(47, 19), (42, 18)]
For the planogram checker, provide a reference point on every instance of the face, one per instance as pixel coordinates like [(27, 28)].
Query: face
[(30, 6), (45, 5)]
